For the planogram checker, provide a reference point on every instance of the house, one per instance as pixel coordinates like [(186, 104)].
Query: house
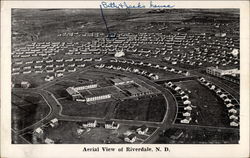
[(233, 117), (188, 108), (59, 74), (130, 138), (81, 65), (25, 84), (89, 124), (232, 110), (111, 125), (50, 69), (170, 84), (38, 130), (212, 87), (234, 123), (230, 105), (185, 96), (187, 102), (142, 130), (186, 120), (54, 122), (79, 131), (186, 113), (49, 78), (70, 69), (49, 141)]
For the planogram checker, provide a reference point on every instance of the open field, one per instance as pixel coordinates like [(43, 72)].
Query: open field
[(74, 108), (146, 109), (27, 109)]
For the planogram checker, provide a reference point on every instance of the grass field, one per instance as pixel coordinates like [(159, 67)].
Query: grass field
[(146, 109), (74, 108), (210, 110), (27, 109)]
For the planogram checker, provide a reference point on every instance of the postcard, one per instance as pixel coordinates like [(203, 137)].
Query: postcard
[(124, 79)]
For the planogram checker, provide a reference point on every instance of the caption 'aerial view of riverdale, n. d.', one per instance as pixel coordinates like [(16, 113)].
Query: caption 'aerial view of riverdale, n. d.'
[(118, 76)]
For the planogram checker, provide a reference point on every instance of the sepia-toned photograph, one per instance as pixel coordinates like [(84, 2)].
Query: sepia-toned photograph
[(125, 76)]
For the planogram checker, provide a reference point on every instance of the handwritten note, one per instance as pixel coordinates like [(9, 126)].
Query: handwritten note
[(139, 5)]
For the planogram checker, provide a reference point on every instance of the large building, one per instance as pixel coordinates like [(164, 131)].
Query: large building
[(83, 87), (75, 93), (215, 71), (121, 81), (96, 98)]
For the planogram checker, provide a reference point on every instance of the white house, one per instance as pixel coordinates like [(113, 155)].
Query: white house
[(234, 124), (186, 120), (142, 130), (38, 130), (49, 78), (90, 123), (186, 114), (188, 108), (187, 102), (25, 84), (230, 105), (49, 141), (130, 138), (232, 111), (54, 122), (233, 117), (111, 125)]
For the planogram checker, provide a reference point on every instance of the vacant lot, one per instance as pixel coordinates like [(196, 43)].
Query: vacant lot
[(210, 110), (26, 109)]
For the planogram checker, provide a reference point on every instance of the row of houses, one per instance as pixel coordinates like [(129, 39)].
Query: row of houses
[(129, 69), (50, 66), (147, 64), (184, 104), (229, 101)]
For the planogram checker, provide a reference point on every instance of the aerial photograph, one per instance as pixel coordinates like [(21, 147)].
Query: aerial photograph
[(125, 76)]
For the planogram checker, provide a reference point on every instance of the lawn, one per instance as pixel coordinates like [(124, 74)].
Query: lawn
[(74, 108), (146, 109)]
